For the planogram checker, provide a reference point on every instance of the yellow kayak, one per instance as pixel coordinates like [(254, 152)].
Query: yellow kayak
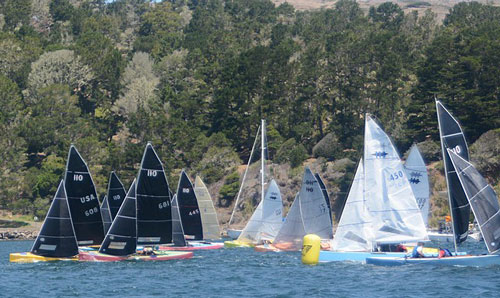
[(27, 257), (236, 243)]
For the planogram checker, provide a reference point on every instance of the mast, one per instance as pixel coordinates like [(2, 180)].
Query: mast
[(262, 158), (244, 176)]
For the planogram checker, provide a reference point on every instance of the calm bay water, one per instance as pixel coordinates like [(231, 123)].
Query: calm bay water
[(239, 272)]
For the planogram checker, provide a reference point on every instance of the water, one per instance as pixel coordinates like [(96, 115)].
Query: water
[(239, 272)]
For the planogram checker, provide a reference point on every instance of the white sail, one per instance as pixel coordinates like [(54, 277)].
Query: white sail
[(308, 215), (416, 172), (211, 229), (266, 220), (395, 215), (354, 231)]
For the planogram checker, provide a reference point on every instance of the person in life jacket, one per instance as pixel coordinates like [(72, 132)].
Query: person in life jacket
[(444, 252), (418, 251)]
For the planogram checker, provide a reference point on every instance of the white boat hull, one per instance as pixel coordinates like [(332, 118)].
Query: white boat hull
[(473, 261)]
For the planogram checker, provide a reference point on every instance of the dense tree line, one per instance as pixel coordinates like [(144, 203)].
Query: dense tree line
[(196, 76)]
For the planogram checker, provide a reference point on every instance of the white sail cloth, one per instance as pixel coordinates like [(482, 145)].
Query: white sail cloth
[(354, 231), (416, 171), (211, 229), (395, 215), (266, 220)]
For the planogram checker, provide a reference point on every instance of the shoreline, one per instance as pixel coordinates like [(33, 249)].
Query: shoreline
[(18, 235)]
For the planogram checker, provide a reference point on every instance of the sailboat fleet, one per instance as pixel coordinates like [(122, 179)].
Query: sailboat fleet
[(387, 205)]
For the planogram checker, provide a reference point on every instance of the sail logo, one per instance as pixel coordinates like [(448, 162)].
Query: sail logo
[(91, 211), (116, 197), (457, 149), (278, 212), (380, 154), (152, 173), (415, 177), (194, 212), (78, 177), (396, 175), (273, 197), (309, 189), (421, 202), (310, 182), (185, 190)]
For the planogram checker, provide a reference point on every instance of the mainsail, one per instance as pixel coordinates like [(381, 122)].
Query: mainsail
[(82, 200), (482, 198), (395, 215), (354, 231), (325, 193), (121, 239), (308, 215), (106, 215), (154, 216), (267, 218), (177, 226), (452, 137), (116, 194), (57, 237), (188, 208), (209, 220), (419, 180)]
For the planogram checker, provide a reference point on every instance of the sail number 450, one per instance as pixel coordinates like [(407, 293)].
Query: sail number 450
[(396, 175)]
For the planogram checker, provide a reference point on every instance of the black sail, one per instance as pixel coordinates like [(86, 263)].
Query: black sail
[(188, 208), (177, 227), (154, 216), (57, 237), (325, 193), (483, 200), (83, 202), (116, 194), (121, 239), (452, 137), (106, 215)]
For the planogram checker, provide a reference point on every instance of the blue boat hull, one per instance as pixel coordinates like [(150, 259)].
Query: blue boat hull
[(474, 261), (337, 256)]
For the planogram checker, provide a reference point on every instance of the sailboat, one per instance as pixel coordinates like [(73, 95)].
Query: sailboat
[(236, 234), (82, 199), (145, 217), (381, 208), (56, 240), (484, 202), (189, 218), (325, 194), (309, 214), (121, 240), (116, 194)]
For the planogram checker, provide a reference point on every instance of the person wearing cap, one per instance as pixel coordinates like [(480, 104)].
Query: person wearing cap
[(418, 251)]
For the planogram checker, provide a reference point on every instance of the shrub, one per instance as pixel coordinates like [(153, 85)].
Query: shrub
[(328, 147), (230, 189)]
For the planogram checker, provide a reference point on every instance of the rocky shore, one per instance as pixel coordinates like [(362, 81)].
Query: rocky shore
[(18, 235)]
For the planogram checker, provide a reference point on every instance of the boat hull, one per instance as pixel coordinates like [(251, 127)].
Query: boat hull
[(467, 260), (266, 248), (233, 234), (354, 256), (236, 243), (27, 257), (92, 256), (194, 246)]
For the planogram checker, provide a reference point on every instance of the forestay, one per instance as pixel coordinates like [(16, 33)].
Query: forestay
[(354, 231), (308, 215), (106, 215), (116, 194), (266, 220), (482, 198), (395, 215), (188, 208), (57, 237), (154, 216), (208, 215), (452, 137), (82, 200), (121, 239), (416, 172)]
